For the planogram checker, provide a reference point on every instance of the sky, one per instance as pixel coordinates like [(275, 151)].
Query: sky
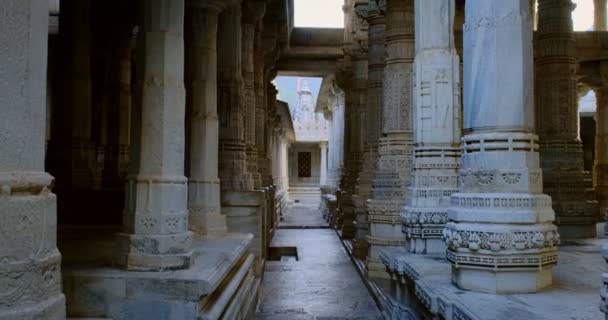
[(583, 15), (320, 13), (287, 88)]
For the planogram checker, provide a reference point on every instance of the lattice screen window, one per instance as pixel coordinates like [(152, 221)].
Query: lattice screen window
[(304, 164)]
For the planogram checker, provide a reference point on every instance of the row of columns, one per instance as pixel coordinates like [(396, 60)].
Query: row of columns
[(176, 75), (496, 167)]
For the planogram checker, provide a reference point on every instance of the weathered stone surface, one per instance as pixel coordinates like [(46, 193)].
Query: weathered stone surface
[(578, 271), (218, 265), (392, 174), (557, 122), (156, 203), (499, 219), (436, 127), (204, 207), (30, 271), (322, 284)]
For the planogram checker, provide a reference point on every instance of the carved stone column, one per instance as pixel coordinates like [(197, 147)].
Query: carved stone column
[(119, 103), (323, 163), (201, 87), (253, 10), (500, 237), (30, 264), (599, 15), (354, 79), (395, 146), (156, 212), (233, 165), (437, 127), (263, 104), (80, 92), (557, 122), (371, 116), (600, 165)]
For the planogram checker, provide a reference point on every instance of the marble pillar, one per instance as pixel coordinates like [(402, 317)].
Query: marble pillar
[(30, 264), (371, 115), (599, 15), (323, 163), (500, 235), (557, 122), (263, 104), (395, 146), (354, 222), (436, 127), (600, 164), (252, 12), (79, 93), (204, 207), (233, 164), (155, 233)]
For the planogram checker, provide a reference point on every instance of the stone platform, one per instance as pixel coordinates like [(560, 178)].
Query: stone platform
[(220, 282), (574, 294)]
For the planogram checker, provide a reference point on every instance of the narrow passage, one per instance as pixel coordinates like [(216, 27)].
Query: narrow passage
[(322, 284)]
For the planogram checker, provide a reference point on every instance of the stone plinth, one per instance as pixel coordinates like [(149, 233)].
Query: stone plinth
[(30, 264), (500, 235), (221, 281), (245, 213), (426, 281)]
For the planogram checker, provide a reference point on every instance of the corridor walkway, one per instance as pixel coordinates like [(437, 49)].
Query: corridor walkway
[(322, 285)]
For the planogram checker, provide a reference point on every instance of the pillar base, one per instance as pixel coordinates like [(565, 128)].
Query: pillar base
[(426, 246), (205, 218), (502, 282), (142, 252), (51, 309)]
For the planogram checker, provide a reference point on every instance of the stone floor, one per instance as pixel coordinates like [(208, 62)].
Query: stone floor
[(322, 285), (299, 217)]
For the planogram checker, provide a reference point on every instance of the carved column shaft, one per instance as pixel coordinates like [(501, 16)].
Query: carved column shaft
[(600, 165), (30, 266), (263, 105), (437, 127), (599, 15), (557, 121), (395, 146), (79, 93), (371, 116), (233, 166), (156, 210), (500, 235), (323, 163), (354, 222), (201, 85), (253, 10), (119, 104)]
